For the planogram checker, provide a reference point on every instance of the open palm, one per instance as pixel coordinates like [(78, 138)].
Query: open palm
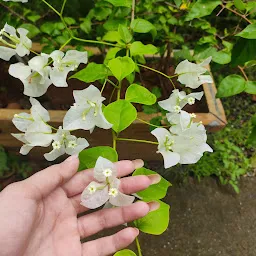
[(38, 216)]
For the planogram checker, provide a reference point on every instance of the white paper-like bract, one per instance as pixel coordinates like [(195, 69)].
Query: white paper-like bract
[(106, 190), (191, 74)]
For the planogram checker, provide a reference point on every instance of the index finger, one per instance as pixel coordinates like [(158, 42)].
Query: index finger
[(80, 180)]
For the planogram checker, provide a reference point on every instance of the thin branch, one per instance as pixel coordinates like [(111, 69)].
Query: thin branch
[(63, 7), (244, 74), (133, 10), (237, 13), (13, 12)]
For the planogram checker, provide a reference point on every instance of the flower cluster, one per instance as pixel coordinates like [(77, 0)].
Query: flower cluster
[(185, 141), (86, 113), (16, 44), (37, 132), (106, 189), (191, 74), (38, 75)]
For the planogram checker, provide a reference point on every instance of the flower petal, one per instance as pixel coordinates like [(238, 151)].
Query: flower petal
[(121, 199), (170, 158), (22, 122), (20, 71), (81, 145), (58, 77), (98, 198), (101, 165), (6, 53), (54, 154), (38, 112)]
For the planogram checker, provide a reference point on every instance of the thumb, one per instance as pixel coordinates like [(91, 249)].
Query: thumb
[(47, 180)]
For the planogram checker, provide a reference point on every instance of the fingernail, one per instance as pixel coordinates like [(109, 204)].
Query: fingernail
[(153, 206), (137, 231), (72, 158), (138, 163), (154, 178)]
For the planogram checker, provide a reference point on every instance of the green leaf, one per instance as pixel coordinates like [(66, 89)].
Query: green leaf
[(112, 36), (239, 4), (250, 87), (138, 48), (91, 73), (125, 3), (244, 50), (33, 18), (139, 94), (253, 120), (47, 28), (143, 26), (252, 138), (221, 57), (121, 114), (231, 85), (249, 32), (125, 33), (125, 252), (202, 8), (113, 24), (111, 54), (33, 30), (155, 222), (154, 192), (150, 109), (69, 20), (157, 91), (88, 157), (121, 67), (86, 26)]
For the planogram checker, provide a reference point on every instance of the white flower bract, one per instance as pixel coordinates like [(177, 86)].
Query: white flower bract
[(87, 111), (191, 74), (63, 64), (184, 143), (106, 189), (17, 45), (63, 143)]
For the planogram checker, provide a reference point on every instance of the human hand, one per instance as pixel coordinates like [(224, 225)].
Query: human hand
[(38, 216)]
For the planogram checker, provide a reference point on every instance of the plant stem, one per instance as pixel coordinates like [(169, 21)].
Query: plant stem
[(112, 83), (103, 86), (152, 69), (114, 139), (138, 246), (50, 6), (67, 42), (95, 42), (244, 74), (133, 10), (119, 90), (63, 7), (237, 13), (135, 140), (145, 122)]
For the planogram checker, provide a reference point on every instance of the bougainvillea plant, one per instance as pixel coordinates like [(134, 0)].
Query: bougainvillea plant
[(181, 140)]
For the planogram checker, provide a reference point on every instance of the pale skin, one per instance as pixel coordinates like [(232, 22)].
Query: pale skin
[(38, 216)]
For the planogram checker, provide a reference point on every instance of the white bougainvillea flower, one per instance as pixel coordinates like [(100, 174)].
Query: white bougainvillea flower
[(16, 45), (190, 139), (35, 76), (191, 74), (36, 131), (64, 142), (185, 143), (178, 100), (87, 111), (25, 149), (63, 64), (106, 189), (38, 113), (165, 146)]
